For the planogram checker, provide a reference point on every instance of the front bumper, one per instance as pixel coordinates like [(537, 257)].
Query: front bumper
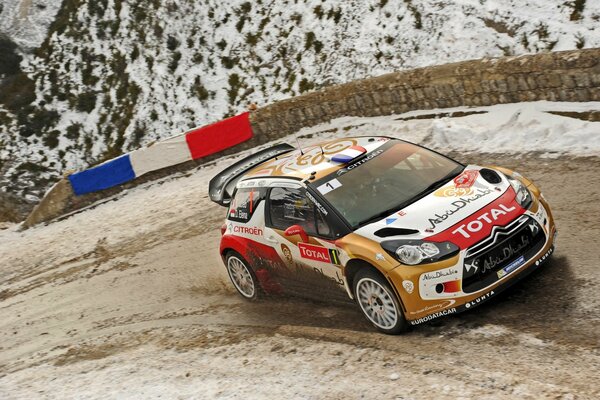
[(482, 298), (425, 304)]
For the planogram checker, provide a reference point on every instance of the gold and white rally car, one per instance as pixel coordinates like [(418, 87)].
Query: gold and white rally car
[(406, 232)]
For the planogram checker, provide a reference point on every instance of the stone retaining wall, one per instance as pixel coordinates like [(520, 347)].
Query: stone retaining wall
[(559, 76)]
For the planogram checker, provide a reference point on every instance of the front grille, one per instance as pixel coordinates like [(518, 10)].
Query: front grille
[(507, 247)]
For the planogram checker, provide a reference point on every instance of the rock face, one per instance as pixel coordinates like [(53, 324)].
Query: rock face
[(111, 75), (12, 208)]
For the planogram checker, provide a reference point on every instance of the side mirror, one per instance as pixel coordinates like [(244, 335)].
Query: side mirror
[(297, 230)]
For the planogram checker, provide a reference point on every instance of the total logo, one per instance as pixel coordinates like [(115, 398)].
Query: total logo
[(319, 253), (480, 300), (486, 218)]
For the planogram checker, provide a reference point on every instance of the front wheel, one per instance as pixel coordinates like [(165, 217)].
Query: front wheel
[(242, 276), (379, 303)]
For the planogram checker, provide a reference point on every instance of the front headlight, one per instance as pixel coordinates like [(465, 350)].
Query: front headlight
[(413, 252), (523, 195)]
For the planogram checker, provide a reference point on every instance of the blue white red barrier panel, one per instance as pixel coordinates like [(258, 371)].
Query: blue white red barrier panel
[(194, 144)]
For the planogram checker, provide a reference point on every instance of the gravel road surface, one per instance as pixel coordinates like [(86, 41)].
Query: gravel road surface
[(130, 299)]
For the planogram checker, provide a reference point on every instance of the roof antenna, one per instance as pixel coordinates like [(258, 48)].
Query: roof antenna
[(322, 152), (298, 142)]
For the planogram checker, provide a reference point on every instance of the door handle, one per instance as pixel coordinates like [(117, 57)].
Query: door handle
[(271, 239)]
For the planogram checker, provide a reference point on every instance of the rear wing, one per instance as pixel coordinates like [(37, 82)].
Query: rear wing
[(222, 185)]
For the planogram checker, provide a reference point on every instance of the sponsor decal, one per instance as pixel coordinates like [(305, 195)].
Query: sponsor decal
[(458, 205), (319, 253), (480, 224), (466, 179), (390, 220), (401, 213), (316, 203), (440, 274), (453, 191), (360, 162), (439, 306), (541, 212), (448, 287), (479, 300), (433, 316), (543, 258), (249, 164), (287, 253), (489, 263), (534, 228), (297, 230), (486, 218), (329, 186), (511, 267), (364, 160), (248, 230), (408, 286)]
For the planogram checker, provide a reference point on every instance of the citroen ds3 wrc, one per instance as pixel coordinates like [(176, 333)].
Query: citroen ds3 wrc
[(408, 234)]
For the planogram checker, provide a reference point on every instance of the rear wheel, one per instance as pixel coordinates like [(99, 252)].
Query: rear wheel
[(242, 276), (378, 302)]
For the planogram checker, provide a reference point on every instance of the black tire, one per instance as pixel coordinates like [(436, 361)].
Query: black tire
[(242, 276), (378, 302)]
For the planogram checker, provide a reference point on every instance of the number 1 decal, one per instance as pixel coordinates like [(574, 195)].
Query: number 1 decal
[(329, 186)]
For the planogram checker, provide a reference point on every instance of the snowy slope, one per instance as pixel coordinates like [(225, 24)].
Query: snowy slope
[(27, 21), (115, 74)]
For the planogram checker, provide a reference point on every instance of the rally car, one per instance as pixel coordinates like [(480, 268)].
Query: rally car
[(409, 234)]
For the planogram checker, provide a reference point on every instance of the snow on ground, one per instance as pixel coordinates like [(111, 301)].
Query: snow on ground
[(263, 367), (503, 128)]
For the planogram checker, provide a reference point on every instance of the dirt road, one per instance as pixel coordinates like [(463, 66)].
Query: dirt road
[(131, 299)]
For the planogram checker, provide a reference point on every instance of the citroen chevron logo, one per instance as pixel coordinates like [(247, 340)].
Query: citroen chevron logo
[(495, 234)]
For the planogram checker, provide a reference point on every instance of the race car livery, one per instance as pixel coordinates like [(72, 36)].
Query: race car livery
[(409, 234)]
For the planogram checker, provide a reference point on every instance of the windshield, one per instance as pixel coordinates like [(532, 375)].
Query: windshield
[(384, 181)]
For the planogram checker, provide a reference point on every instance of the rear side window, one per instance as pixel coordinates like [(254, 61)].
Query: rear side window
[(244, 203), (292, 207)]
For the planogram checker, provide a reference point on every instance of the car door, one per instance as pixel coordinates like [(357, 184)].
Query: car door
[(301, 234)]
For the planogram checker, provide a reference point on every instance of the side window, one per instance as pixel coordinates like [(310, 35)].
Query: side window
[(292, 207), (244, 203), (323, 228)]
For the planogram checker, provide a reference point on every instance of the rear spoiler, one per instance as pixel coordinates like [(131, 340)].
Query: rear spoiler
[(222, 185)]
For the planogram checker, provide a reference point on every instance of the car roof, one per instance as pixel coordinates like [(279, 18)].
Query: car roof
[(313, 160)]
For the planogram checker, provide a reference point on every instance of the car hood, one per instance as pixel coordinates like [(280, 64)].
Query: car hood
[(446, 207)]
